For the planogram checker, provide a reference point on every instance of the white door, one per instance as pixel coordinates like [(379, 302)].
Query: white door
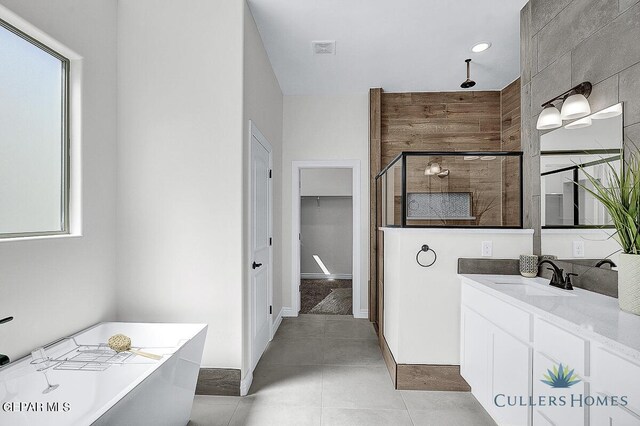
[(261, 256)]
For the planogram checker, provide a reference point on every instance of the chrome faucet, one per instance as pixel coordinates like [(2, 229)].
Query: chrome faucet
[(3, 358), (559, 279), (606, 262)]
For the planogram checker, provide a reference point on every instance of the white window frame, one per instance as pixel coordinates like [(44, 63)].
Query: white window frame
[(72, 128)]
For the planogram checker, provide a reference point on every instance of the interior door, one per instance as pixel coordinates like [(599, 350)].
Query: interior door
[(261, 256)]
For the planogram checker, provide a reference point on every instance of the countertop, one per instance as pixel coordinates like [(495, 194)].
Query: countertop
[(585, 313)]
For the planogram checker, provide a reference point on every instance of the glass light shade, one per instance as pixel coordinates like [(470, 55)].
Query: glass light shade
[(481, 47), (549, 118), (579, 124), (435, 168), (612, 111), (575, 106)]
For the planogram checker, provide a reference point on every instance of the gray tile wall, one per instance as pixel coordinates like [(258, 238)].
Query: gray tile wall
[(566, 42)]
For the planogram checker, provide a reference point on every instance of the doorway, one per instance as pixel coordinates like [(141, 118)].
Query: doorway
[(326, 244)]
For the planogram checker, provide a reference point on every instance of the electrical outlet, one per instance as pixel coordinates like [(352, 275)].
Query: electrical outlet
[(487, 248), (578, 249)]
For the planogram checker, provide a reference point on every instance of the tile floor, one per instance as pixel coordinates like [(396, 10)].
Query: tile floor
[(328, 370)]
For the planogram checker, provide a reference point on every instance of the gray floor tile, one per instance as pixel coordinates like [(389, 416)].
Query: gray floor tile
[(349, 329), (364, 417), (296, 351), (425, 400), (450, 417), (212, 410), (445, 408), (339, 317), (283, 393), (359, 387), (362, 352), (258, 414), (289, 385), (301, 328)]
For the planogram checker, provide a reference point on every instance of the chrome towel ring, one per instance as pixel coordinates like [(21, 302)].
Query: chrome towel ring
[(425, 248)]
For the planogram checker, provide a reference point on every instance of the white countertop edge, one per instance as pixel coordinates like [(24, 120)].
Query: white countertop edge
[(459, 230), (554, 319)]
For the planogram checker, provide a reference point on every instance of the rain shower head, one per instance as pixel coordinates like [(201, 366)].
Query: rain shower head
[(468, 82)]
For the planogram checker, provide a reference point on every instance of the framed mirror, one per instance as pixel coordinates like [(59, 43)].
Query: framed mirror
[(576, 226), (593, 145)]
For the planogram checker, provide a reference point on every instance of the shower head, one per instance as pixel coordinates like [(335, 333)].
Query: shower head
[(468, 82)]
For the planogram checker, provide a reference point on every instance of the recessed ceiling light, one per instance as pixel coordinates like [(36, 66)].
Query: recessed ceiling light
[(481, 47)]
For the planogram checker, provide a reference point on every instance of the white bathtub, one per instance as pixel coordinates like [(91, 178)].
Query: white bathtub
[(131, 391)]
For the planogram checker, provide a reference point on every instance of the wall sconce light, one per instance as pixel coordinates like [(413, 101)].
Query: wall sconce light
[(575, 105), (434, 169)]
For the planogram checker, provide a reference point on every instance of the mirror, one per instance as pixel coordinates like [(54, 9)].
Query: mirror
[(575, 224)]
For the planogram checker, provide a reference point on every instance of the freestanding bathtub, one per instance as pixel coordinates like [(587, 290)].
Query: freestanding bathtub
[(87, 384)]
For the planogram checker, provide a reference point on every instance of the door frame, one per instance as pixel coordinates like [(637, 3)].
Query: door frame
[(254, 132), (354, 165)]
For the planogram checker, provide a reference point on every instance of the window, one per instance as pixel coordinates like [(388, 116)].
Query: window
[(34, 143)]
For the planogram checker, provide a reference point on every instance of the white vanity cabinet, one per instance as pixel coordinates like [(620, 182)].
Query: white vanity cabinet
[(511, 339), (613, 375), (495, 362)]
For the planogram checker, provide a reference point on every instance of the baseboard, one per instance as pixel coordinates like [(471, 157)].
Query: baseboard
[(320, 276), (218, 381), (428, 377), (288, 312), (364, 313), (245, 384), (276, 323)]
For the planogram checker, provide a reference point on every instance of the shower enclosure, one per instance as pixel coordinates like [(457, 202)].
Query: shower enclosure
[(451, 189)]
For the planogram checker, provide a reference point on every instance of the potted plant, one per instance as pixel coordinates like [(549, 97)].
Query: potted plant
[(621, 197)]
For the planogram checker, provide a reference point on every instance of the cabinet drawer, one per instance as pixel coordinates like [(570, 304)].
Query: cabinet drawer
[(560, 345), (506, 316), (616, 376)]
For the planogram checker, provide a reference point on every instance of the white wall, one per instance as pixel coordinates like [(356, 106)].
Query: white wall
[(326, 230), (422, 305), (325, 128), (598, 243), (325, 182), (262, 105), (57, 286), (180, 157)]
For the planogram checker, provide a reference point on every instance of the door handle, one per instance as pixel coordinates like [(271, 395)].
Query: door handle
[(256, 265)]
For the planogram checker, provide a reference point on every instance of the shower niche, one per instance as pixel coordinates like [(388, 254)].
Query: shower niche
[(451, 189)]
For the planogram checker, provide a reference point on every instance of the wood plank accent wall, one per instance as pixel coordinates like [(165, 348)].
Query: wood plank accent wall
[(439, 121)]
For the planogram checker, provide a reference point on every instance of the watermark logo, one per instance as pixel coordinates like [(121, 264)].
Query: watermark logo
[(561, 377)]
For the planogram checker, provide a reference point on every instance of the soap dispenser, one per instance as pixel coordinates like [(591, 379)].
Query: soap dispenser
[(3, 358)]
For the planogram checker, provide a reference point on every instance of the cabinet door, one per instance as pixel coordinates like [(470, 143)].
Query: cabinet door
[(510, 379), (555, 406), (613, 416), (474, 355), (617, 377)]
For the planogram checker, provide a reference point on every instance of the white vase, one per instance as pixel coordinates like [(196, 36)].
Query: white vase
[(629, 283)]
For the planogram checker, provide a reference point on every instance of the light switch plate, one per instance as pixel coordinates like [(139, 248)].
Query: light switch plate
[(578, 249), (487, 248)]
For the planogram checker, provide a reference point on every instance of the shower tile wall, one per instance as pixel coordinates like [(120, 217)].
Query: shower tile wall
[(563, 43)]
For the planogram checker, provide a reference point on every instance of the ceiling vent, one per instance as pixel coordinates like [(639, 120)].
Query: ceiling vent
[(324, 47)]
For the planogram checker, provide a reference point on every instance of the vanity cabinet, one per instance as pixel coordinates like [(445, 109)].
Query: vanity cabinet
[(495, 363), (506, 352)]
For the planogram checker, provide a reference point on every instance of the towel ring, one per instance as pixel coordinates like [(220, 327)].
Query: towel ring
[(425, 248)]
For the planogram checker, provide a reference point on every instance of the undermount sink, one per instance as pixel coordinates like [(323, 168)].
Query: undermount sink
[(530, 286)]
